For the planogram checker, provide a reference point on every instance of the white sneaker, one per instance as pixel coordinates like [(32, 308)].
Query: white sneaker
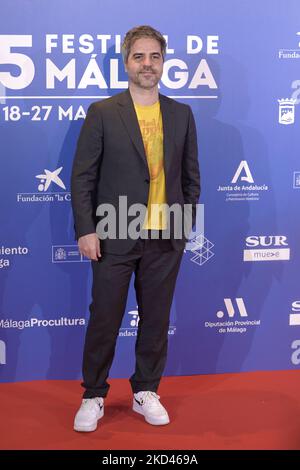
[(90, 411), (148, 404)]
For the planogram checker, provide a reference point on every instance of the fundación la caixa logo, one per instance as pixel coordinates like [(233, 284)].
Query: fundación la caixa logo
[(233, 318), (242, 186), (47, 187), (294, 320), (290, 53), (266, 248), (50, 177)]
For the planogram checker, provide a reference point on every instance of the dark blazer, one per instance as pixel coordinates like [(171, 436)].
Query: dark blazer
[(110, 161)]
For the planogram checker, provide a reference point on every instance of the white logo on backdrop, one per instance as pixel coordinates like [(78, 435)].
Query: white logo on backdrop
[(286, 111), (2, 352), (242, 186), (277, 248), (43, 195), (243, 166), (134, 322), (234, 319), (201, 249), (50, 177), (198, 245), (134, 317), (230, 308), (294, 319), (290, 53), (67, 254), (296, 180)]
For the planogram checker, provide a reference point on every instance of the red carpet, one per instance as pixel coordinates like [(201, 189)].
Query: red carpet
[(258, 410)]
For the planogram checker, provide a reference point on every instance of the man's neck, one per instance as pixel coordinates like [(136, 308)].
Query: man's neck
[(143, 97)]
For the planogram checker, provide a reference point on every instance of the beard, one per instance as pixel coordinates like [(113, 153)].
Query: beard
[(146, 79)]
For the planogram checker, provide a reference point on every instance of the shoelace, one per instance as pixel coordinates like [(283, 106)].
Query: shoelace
[(152, 397), (88, 403)]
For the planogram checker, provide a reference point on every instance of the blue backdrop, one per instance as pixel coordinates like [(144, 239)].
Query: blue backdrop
[(236, 63)]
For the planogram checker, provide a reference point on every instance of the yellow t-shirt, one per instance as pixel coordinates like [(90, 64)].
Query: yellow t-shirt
[(150, 121)]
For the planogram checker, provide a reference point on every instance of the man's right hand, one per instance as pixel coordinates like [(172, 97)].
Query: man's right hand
[(89, 246)]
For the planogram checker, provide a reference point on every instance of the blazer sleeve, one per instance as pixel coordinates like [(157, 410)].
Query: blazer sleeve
[(85, 172), (190, 167)]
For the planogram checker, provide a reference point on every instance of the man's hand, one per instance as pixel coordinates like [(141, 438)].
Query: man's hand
[(89, 246)]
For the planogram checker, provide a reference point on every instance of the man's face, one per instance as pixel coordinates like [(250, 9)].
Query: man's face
[(145, 63)]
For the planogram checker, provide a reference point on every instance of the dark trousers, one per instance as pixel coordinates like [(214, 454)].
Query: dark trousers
[(155, 265)]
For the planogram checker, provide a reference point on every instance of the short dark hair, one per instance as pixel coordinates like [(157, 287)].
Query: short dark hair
[(142, 32)]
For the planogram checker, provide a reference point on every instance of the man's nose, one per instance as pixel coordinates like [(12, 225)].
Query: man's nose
[(147, 62)]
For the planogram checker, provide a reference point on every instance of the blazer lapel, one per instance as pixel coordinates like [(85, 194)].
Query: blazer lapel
[(129, 118), (167, 111)]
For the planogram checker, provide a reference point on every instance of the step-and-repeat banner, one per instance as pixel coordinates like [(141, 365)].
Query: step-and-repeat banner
[(236, 63)]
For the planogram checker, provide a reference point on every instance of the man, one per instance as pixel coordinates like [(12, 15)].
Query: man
[(141, 145)]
